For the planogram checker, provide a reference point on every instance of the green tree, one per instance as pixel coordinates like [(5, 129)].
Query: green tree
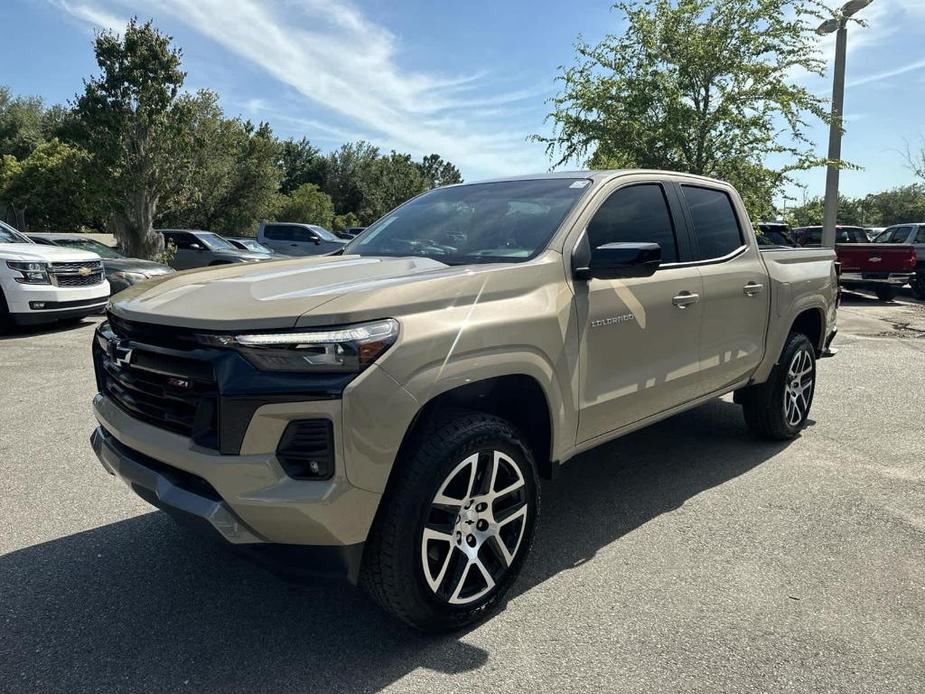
[(231, 177), (345, 221), (301, 162), (307, 204), (701, 86), (25, 123), (49, 191), (390, 181), (439, 172), (349, 176), (130, 121), (896, 206)]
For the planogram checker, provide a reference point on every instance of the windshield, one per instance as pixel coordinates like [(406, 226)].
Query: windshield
[(252, 245), (9, 235), (215, 242), (507, 222), (101, 249), (323, 233)]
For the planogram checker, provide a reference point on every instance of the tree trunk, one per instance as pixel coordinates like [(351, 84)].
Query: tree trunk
[(133, 226)]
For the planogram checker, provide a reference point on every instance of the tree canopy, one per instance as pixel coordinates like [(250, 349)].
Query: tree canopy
[(134, 151), (700, 86)]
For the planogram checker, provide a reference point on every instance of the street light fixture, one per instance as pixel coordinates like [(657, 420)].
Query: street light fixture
[(838, 24)]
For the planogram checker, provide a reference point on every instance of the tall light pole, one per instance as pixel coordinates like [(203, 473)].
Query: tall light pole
[(838, 24)]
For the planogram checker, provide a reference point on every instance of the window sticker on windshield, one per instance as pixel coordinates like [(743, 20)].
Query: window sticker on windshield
[(580, 184)]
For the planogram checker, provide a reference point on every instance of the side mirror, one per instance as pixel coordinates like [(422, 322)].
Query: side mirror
[(195, 247), (615, 260), (316, 240)]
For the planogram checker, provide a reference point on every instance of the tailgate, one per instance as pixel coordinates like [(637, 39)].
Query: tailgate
[(875, 257)]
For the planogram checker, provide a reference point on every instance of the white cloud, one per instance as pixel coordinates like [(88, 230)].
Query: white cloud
[(333, 55), (887, 74), (99, 18)]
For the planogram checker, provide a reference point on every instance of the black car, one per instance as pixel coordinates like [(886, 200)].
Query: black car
[(121, 271)]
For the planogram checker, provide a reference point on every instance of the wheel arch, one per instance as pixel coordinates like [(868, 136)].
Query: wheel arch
[(811, 322), (517, 398)]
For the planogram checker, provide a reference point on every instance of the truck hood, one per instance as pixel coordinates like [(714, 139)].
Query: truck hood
[(38, 252), (290, 292)]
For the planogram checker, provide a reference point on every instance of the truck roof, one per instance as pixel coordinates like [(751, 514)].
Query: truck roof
[(604, 175)]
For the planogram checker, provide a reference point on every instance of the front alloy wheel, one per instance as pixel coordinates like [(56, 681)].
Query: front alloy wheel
[(475, 527), (455, 525)]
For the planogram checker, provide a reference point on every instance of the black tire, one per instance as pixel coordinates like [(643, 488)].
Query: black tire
[(5, 320), (394, 571), (886, 293), (918, 285), (765, 405)]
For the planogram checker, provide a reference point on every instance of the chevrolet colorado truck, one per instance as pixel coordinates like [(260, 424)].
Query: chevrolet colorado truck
[(877, 267), (389, 411), (44, 284)]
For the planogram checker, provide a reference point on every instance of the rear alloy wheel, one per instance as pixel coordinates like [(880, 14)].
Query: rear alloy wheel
[(455, 525), (798, 392), (778, 408)]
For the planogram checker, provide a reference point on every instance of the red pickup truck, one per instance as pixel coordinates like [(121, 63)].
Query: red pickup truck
[(880, 267)]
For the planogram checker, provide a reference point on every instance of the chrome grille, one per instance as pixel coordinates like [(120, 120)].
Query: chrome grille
[(78, 280), (82, 274)]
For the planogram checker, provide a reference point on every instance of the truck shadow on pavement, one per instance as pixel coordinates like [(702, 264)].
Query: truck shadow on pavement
[(143, 605)]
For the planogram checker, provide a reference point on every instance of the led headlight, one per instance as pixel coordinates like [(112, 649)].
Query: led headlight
[(32, 272), (337, 350)]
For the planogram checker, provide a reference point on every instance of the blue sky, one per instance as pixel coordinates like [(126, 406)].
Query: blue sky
[(467, 80)]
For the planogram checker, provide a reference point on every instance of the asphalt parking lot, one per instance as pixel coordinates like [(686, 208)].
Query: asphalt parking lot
[(685, 557)]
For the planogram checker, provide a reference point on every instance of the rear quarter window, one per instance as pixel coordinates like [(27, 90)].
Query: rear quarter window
[(716, 226)]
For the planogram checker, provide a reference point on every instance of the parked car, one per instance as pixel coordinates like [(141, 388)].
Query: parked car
[(248, 243), (882, 269), (349, 232), (197, 248), (299, 239), (774, 234), (910, 235), (392, 413), (43, 284), (121, 271)]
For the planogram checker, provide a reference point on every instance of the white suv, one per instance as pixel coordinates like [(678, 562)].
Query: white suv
[(41, 284)]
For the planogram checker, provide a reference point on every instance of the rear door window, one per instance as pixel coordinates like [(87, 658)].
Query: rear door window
[(635, 214), (277, 232), (180, 239), (901, 235), (920, 237), (716, 226)]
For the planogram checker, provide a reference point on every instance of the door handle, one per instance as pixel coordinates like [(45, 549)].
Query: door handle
[(752, 288), (685, 299)]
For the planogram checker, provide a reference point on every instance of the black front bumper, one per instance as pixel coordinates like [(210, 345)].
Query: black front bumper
[(193, 502)]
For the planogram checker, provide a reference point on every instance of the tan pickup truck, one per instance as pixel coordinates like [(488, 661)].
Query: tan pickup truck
[(388, 412)]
